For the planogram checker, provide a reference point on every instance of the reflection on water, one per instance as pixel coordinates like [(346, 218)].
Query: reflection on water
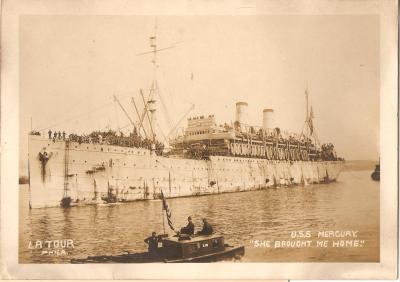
[(352, 203)]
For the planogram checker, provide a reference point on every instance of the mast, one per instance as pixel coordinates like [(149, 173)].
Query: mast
[(307, 117), (150, 103), (310, 130), (306, 121), (150, 119), (153, 45)]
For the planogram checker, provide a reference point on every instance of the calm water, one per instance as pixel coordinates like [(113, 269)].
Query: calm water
[(352, 203)]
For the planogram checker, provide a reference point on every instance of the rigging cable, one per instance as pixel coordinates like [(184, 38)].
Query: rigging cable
[(83, 114)]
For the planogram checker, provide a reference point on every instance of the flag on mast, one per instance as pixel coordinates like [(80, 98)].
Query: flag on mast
[(167, 211), (310, 122)]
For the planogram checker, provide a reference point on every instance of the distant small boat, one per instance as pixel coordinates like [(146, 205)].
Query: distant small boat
[(376, 175), (66, 202), (111, 197)]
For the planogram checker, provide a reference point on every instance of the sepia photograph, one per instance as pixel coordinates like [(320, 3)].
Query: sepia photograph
[(176, 139), (199, 138)]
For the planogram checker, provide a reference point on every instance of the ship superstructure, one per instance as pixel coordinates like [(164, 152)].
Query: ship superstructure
[(203, 138), (106, 167)]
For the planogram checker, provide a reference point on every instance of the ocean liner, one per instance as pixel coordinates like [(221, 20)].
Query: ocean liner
[(67, 169)]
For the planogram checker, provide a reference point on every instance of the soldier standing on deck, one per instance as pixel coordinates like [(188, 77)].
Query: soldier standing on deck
[(50, 134), (152, 241)]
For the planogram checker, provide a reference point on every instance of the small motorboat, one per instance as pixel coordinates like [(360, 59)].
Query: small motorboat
[(376, 175), (177, 249)]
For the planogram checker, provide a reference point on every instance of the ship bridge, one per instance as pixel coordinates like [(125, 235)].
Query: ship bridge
[(205, 128)]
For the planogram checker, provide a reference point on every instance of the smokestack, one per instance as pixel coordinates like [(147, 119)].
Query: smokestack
[(268, 119), (241, 114)]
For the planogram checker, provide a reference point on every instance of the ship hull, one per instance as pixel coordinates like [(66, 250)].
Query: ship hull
[(88, 172)]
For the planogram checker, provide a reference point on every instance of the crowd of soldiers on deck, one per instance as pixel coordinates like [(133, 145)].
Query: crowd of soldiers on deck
[(109, 137), (275, 136), (56, 135), (328, 152)]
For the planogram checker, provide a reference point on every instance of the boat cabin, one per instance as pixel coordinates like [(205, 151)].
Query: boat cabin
[(187, 247)]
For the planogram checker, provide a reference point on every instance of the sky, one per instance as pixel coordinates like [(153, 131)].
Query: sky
[(71, 66)]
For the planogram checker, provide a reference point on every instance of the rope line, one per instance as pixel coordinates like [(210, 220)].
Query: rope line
[(106, 104)]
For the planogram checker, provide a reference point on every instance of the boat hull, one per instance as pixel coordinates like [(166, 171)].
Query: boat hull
[(85, 172), (144, 257), (229, 253)]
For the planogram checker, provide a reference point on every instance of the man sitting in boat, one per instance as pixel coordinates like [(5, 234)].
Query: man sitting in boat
[(189, 228), (152, 241), (207, 228)]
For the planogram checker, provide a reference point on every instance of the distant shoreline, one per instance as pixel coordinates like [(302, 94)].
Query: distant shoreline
[(357, 165)]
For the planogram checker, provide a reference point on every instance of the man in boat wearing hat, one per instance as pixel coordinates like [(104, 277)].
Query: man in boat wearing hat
[(207, 228), (189, 228)]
